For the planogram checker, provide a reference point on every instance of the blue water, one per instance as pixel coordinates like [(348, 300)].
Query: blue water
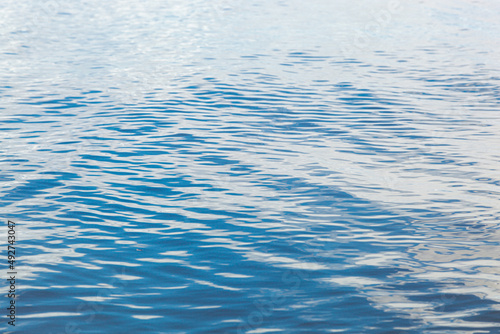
[(251, 166)]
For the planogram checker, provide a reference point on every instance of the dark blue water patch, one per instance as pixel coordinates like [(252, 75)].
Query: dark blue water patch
[(31, 189)]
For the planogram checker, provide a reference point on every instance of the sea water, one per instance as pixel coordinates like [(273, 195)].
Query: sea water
[(251, 166)]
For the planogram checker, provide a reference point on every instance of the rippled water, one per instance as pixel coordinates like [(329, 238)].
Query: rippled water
[(252, 166)]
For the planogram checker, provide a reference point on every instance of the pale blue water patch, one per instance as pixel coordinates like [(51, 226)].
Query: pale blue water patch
[(252, 167)]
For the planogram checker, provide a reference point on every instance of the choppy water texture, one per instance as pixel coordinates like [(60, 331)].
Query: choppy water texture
[(252, 166)]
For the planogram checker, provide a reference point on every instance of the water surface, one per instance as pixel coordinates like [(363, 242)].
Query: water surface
[(252, 167)]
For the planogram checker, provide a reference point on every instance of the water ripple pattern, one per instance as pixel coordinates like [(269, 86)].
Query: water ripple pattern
[(252, 166)]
